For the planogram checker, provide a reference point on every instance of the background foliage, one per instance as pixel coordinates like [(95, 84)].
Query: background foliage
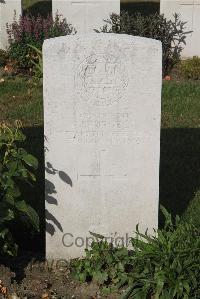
[(161, 267), (170, 32), (16, 167), (31, 30), (3, 57), (190, 68)]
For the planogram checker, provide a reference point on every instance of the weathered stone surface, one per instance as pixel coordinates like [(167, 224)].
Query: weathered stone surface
[(189, 11), (8, 9), (102, 104), (86, 15)]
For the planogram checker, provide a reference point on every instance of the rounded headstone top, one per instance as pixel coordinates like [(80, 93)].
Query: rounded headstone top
[(101, 36)]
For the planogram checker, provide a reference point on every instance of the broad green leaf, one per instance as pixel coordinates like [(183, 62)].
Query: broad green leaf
[(13, 192), (23, 207), (33, 217), (12, 166), (30, 160)]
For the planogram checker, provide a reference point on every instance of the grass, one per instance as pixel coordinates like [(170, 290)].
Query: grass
[(180, 105), (180, 148), (21, 98)]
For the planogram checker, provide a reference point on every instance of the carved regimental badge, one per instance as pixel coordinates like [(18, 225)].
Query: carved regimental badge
[(101, 79)]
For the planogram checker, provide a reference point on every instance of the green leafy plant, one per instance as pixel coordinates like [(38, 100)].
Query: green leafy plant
[(167, 265), (3, 57), (190, 68), (104, 264), (157, 267), (38, 62), (15, 168), (171, 33)]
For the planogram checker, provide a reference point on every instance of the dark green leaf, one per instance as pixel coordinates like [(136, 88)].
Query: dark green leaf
[(29, 211), (31, 161)]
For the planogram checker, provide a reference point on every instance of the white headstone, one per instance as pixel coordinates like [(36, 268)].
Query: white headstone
[(189, 12), (86, 15), (8, 9), (102, 107)]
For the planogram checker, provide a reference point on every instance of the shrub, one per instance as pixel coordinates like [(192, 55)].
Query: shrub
[(15, 168), (3, 57), (30, 30), (170, 32), (161, 267), (190, 68), (103, 264), (167, 265)]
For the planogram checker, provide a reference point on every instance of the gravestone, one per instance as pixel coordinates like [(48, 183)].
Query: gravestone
[(102, 107), (86, 15), (8, 9), (189, 12)]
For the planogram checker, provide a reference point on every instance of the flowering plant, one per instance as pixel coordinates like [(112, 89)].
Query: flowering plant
[(31, 30)]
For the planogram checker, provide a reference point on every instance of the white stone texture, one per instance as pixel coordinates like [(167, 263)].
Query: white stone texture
[(102, 108), (8, 9), (189, 11), (86, 15)]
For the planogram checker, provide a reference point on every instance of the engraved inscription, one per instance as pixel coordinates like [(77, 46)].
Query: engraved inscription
[(98, 137), (101, 79), (101, 121)]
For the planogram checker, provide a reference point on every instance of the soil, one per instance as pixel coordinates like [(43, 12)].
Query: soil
[(38, 279)]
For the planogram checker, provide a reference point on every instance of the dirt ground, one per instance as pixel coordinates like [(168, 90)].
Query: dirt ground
[(45, 280)]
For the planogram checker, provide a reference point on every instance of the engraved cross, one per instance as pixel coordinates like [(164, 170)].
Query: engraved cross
[(100, 172)]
